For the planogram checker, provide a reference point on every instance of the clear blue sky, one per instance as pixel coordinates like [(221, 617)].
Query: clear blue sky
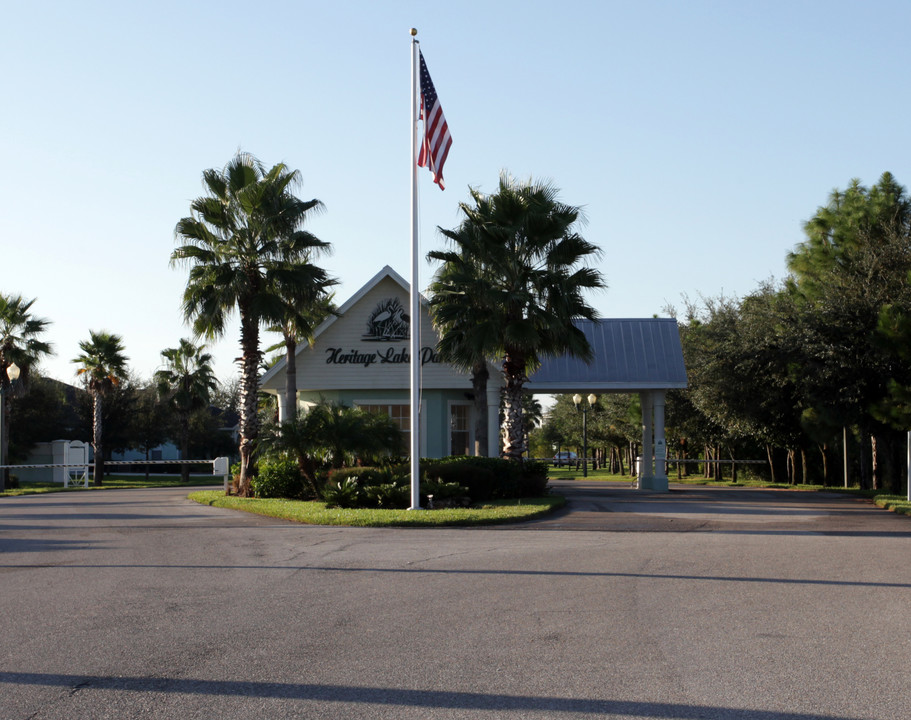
[(697, 135)]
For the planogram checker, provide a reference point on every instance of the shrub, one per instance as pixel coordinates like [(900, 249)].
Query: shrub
[(343, 494), (278, 478), (334, 435), (452, 481), (367, 475), (378, 487), (533, 480), (389, 495), (478, 482), (490, 478), (398, 474), (444, 494), (485, 478)]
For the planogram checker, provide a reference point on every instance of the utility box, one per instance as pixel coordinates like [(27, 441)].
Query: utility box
[(220, 466), (74, 454), (56, 452)]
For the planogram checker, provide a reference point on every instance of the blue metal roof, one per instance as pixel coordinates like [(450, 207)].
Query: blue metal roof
[(630, 355)]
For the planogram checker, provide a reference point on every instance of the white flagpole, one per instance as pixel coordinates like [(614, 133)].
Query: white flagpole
[(415, 328)]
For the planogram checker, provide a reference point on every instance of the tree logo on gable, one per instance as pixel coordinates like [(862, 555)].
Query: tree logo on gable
[(388, 321)]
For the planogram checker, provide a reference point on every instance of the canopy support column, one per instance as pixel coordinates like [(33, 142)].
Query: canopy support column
[(653, 469)]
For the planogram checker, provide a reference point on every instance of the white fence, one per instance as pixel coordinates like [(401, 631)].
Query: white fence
[(76, 473)]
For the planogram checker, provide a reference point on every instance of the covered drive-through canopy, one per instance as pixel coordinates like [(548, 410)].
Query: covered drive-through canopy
[(630, 355)]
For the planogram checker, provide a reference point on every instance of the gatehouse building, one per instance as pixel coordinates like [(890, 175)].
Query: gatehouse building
[(360, 357)]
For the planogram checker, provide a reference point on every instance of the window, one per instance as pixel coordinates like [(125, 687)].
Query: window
[(399, 413), (459, 430)]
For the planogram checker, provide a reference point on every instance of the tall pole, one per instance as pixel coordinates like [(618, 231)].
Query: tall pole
[(2, 457), (414, 331), (577, 400), (584, 442)]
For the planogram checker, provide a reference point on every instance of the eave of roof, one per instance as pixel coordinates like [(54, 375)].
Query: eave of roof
[(387, 271), (629, 355)]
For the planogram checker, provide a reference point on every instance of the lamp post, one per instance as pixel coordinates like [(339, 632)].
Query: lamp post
[(12, 374), (577, 400)]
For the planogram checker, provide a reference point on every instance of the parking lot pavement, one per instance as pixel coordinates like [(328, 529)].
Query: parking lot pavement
[(699, 603), (617, 506)]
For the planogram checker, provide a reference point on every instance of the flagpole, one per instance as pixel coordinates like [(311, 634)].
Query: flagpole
[(414, 330)]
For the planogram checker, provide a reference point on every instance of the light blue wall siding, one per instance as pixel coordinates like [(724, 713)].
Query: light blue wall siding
[(435, 438)]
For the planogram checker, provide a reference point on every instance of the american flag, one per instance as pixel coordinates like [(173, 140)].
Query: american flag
[(437, 140)]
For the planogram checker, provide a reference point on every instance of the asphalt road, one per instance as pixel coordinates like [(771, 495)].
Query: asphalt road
[(700, 603)]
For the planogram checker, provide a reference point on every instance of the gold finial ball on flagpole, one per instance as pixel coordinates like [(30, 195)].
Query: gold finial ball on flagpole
[(414, 31)]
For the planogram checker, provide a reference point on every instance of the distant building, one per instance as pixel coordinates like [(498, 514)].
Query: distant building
[(166, 451), (361, 358)]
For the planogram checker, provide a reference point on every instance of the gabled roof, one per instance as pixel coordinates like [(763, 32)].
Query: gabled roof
[(630, 355), (353, 300), (369, 285), (348, 304)]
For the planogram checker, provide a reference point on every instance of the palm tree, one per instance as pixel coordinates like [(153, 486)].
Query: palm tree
[(464, 341), (519, 280), (19, 345), (186, 382), (351, 434), (532, 415), (103, 366), (334, 435), (247, 252), (299, 325)]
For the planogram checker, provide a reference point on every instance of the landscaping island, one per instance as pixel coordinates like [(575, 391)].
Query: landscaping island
[(317, 513)]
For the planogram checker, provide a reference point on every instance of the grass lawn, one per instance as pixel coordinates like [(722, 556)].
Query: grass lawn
[(896, 503), (570, 473), (744, 480), (113, 481), (316, 513)]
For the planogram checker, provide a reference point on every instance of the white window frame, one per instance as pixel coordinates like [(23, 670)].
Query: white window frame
[(449, 406), (405, 403)]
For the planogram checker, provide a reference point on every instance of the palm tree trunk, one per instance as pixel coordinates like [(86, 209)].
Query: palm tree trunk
[(249, 386), (874, 462), (514, 373), (884, 473), (97, 438), (866, 481), (289, 403), (479, 377), (308, 469)]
